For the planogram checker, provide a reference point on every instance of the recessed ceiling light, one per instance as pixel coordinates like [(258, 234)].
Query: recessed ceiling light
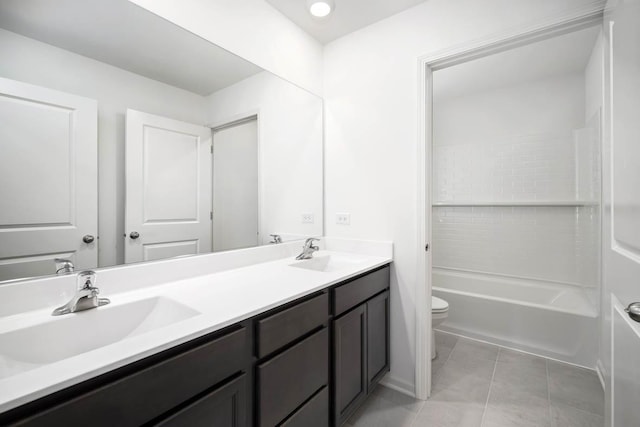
[(320, 8)]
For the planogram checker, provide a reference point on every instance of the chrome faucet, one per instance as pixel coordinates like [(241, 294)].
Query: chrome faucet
[(86, 296), (63, 266), (275, 238), (308, 249)]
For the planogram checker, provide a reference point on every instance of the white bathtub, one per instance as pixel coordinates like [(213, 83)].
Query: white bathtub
[(552, 320)]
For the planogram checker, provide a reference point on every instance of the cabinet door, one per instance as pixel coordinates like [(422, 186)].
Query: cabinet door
[(226, 406), (350, 363), (377, 339)]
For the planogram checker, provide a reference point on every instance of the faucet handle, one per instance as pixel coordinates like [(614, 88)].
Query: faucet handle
[(63, 266), (310, 240), (275, 238), (87, 279)]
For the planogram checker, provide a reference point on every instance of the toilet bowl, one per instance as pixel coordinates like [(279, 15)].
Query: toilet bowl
[(439, 313)]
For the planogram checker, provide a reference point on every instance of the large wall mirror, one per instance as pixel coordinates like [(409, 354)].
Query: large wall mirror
[(125, 138)]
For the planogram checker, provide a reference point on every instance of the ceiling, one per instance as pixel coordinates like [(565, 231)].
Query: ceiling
[(565, 54), (348, 15), (123, 34)]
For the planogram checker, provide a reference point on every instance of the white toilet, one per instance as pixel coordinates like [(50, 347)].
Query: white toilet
[(439, 312)]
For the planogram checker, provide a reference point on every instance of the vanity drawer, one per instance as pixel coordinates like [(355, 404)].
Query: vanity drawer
[(277, 330), (225, 406), (290, 378), (359, 290), (148, 393), (314, 413)]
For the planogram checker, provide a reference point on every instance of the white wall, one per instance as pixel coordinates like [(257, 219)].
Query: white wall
[(371, 140), (253, 30), (594, 79), (115, 90), (290, 149)]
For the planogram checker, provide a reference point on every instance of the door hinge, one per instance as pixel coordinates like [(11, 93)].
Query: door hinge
[(211, 149), (211, 215), (426, 248)]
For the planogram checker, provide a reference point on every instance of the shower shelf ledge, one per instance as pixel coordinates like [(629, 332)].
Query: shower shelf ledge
[(530, 203)]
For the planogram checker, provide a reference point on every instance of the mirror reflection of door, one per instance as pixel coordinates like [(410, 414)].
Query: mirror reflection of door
[(168, 188), (235, 185), (48, 180)]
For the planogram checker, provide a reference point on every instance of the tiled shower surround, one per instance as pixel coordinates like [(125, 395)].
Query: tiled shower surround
[(535, 167), (556, 242), (555, 166)]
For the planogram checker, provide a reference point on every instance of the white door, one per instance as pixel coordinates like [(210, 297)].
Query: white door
[(48, 180), (168, 188), (235, 186), (622, 211)]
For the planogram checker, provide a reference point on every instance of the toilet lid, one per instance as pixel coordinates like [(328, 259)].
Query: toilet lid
[(438, 304)]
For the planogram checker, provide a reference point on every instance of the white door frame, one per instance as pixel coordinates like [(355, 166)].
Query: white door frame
[(556, 25)]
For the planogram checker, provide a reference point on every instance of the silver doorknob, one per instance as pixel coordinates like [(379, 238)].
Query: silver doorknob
[(88, 238), (134, 235), (634, 311)]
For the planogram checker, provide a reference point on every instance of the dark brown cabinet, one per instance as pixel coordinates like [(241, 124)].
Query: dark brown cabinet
[(224, 406), (276, 330), (360, 341), (287, 380), (145, 391), (377, 338), (349, 343), (314, 413)]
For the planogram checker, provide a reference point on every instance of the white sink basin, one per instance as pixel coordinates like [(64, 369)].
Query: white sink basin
[(328, 263), (76, 333)]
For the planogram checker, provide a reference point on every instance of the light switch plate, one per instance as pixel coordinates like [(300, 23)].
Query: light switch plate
[(343, 218), (307, 218)]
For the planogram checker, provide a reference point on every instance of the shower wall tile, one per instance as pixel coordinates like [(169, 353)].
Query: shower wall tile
[(532, 167), (545, 243)]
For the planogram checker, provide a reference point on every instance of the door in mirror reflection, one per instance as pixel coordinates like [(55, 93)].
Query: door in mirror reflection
[(168, 188), (48, 180), (235, 186)]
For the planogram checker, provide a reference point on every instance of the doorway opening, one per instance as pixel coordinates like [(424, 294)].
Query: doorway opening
[(235, 211), (474, 218)]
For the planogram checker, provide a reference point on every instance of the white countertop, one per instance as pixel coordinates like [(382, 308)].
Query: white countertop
[(222, 299)]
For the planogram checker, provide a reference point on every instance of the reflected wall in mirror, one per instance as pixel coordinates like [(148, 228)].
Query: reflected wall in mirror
[(126, 138)]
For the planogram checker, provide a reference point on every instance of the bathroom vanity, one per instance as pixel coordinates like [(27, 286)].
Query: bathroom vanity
[(296, 357)]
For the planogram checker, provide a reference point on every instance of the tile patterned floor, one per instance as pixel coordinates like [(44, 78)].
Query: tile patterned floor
[(481, 385)]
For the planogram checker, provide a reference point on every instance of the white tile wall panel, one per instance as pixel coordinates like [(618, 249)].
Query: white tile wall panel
[(499, 146), (547, 243), (532, 167)]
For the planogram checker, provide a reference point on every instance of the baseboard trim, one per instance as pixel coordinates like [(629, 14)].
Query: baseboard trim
[(395, 383), (601, 373)]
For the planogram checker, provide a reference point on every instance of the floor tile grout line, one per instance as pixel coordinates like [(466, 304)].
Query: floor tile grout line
[(413, 423), (486, 404), (415, 415), (445, 362), (546, 366), (451, 352)]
